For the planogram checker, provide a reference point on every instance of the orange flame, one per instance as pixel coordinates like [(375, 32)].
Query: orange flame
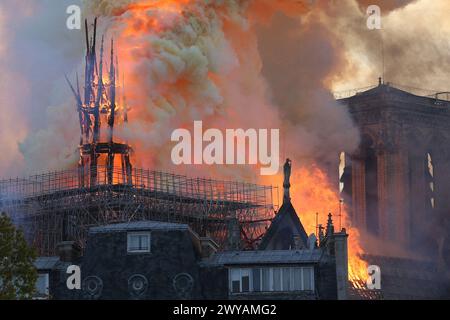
[(312, 193), (313, 197)]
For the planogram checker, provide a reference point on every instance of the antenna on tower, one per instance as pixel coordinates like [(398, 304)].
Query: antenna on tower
[(383, 70), (341, 201), (317, 224)]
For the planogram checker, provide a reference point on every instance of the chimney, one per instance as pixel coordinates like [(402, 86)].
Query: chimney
[(298, 243), (330, 226), (234, 234), (341, 258), (68, 251), (312, 241)]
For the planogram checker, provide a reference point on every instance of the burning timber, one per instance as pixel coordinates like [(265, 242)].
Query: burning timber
[(106, 189), (100, 106)]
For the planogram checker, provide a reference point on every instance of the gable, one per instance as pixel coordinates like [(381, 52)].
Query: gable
[(284, 228)]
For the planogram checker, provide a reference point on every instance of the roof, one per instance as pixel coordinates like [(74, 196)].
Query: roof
[(385, 88), (139, 226), (390, 92), (381, 89), (264, 257), (46, 263), (285, 218)]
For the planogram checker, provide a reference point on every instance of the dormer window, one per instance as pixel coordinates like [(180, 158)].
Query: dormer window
[(138, 242)]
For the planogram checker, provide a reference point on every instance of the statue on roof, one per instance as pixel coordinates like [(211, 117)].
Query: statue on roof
[(287, 176)]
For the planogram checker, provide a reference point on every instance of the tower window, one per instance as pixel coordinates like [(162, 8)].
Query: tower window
[(430, 179)]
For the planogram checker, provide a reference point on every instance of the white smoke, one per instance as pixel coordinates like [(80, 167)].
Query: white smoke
[(37, 50)]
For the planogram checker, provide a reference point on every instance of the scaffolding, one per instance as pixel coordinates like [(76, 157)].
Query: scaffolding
[(58, 206)]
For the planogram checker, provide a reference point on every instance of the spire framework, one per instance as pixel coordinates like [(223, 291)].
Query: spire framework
[(98, 112)]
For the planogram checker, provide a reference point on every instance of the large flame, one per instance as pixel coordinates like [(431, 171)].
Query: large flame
[(314, 197), (312, 193)]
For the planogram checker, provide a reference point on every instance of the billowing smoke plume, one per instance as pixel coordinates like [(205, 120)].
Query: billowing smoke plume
[(219, 62), (209, 61), (413, 41), (186, 61), (37, 126)]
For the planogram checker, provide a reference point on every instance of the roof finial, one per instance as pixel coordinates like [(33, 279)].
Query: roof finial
[(321, 234), (286, 183), (330, 227)]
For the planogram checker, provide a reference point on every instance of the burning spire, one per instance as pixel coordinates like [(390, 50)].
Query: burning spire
[(99, 112)]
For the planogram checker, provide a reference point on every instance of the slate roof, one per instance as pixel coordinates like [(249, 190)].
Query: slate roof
[(139, 226), (264, 257), (285, 213)]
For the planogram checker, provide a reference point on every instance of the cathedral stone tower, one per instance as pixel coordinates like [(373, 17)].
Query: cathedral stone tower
[(397, 184)]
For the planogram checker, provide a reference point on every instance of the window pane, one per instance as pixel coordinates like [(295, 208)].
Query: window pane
[(277, 279), (297, 275), (42, 284), (307, 278), (286, 279), (235, 280), (133, 242), (138, 242), (235, 274), (266, 279), (245, 284), (235, 287), (257, 279), (143, 242)]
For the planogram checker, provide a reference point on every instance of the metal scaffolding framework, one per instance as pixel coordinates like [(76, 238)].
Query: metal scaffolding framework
[(57, 206)]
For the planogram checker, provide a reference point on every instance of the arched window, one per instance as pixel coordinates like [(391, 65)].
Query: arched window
[(342, 165), (429, 180), (371, 184), (345, 181)]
